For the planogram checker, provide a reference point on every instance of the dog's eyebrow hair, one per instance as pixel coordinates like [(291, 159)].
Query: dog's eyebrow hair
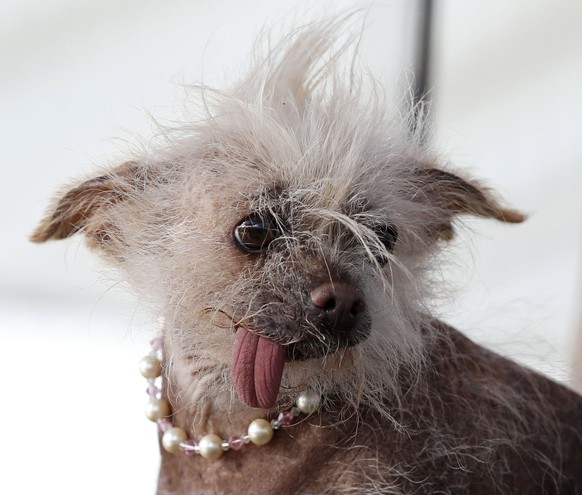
[(274, 191)]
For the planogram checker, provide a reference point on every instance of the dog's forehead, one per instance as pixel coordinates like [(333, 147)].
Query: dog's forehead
[(297, 168), (300, 194)]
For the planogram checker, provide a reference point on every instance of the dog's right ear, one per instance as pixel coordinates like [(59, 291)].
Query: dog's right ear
[(81, 208)]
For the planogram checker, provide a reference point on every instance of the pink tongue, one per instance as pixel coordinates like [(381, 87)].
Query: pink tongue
[(257, 367)]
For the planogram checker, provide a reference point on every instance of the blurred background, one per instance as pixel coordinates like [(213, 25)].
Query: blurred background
[(80, 79)]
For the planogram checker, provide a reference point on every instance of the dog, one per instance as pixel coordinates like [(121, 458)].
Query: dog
[(289, 235)]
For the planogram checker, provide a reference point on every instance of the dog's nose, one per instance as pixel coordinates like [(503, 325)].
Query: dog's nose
[(338, 304)]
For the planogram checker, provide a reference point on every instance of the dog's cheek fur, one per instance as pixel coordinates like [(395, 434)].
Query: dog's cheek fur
[(179, 264)]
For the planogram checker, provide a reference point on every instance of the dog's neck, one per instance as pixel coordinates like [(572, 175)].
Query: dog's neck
[(305, 451), (280, 463), (294, 455), (197, 412), (275, 468), (213, 414)]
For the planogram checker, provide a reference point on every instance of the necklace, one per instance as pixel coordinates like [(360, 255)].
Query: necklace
[(211, 446)]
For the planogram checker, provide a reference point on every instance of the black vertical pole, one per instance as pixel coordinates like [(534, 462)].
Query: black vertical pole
[(422, 62)]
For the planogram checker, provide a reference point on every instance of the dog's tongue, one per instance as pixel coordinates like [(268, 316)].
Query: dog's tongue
[(257, 367)]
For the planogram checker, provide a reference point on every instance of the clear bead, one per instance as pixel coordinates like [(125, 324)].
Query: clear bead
[(153, 391), (156, 344), (189, 447), (235, 442), (164, 425), (285, 418)]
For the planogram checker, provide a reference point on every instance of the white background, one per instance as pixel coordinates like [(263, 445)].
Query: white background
[(78, 80)]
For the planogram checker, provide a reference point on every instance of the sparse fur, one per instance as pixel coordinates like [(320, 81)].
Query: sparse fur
[(416, 407)]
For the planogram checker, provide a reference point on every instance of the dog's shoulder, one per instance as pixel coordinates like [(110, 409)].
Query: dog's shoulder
[(484, 422), (459, 365)]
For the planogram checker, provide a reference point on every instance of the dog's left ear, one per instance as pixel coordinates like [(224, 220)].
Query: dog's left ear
[(452, 195), (81, 207)]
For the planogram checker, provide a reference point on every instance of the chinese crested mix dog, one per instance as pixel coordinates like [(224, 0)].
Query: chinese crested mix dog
[(288, 233)]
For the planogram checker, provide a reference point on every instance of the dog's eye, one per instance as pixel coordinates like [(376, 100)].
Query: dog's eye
[(388, 236), (255, 233)]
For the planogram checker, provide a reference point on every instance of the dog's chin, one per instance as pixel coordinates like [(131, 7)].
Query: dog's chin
[(326, 345)]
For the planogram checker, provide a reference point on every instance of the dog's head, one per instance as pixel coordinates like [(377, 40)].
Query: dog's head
[(285, 236)]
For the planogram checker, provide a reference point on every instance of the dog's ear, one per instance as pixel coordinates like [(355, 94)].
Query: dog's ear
[(451, 195), (79, 209)]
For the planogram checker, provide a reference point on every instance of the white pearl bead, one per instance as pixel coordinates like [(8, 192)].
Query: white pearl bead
[(210, 447), (308, 401), (157, 409), (173, 438), (150, 367), (260, 432)]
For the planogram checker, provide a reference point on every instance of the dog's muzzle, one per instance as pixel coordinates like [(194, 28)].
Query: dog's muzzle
[(334, 317), (337, 313)]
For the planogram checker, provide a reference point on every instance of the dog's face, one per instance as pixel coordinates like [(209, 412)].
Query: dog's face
[(286, 244)]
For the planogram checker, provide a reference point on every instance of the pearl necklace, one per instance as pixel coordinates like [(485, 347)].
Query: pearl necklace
[(175, 439)]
